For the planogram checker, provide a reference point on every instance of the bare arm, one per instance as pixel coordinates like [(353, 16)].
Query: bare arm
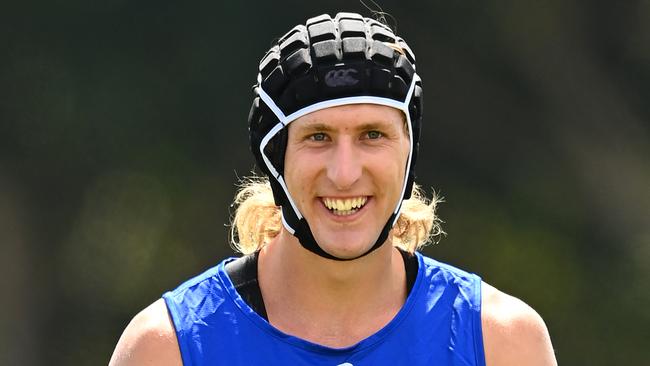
[(513, 333), (149, 339)]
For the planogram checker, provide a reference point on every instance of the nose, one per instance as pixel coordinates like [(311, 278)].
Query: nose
[(344, 167)]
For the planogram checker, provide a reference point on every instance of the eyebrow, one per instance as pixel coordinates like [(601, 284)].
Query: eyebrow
[(376, 126), (319, 126), (315, 126)]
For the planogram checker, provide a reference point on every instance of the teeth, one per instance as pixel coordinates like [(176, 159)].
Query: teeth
[(344, 206)]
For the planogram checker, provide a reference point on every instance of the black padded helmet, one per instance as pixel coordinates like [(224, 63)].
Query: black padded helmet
[(348, 59)]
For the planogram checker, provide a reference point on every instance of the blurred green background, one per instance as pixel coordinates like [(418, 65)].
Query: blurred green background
[(123, 132)]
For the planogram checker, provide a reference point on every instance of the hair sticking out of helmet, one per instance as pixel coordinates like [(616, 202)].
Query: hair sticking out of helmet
[(380, 15), (327, 62)]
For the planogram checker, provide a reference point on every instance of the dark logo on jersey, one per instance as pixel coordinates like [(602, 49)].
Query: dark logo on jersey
[(341, 77)]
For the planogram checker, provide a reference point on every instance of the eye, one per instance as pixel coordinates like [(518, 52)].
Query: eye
[(319, 136), (373, 135)]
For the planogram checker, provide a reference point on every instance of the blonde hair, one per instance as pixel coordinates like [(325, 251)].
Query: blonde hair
[(257, 220)]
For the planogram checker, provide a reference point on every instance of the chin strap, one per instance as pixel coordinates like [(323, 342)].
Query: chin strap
[(305, 237)]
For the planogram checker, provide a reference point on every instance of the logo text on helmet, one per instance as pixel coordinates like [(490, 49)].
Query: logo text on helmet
[(341, 77)]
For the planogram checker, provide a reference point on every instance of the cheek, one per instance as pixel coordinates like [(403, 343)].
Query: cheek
[(396, 165), (400, 155), (299, 175), (406, 150)]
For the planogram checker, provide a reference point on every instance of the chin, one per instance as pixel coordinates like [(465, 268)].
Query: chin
[(345, 251)]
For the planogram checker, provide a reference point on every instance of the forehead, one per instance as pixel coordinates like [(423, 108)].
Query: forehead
[(351, 116)]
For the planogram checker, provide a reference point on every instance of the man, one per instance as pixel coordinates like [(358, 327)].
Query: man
[(331, 274)]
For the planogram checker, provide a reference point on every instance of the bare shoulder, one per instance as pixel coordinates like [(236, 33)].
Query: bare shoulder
[(513, 333), (149, 339)]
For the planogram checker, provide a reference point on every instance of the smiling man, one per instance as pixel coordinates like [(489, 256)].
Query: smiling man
[(331, 273)]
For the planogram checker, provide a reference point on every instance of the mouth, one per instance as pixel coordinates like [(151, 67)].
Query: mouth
[(344, 206)]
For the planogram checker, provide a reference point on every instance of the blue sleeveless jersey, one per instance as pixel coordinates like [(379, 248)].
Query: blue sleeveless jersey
[(439, 324)]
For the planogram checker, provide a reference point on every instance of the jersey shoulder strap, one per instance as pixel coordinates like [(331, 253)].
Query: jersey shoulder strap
[(243, 274)]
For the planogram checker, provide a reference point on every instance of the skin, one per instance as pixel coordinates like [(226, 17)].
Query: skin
[(343, 152), (148, 340)]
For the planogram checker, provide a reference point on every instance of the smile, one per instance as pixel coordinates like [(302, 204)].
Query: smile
[(344, 206)]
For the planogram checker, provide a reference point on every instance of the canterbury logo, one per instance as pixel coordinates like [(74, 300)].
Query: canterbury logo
[(341, 77)]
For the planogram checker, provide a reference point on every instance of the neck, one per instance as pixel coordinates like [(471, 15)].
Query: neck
[(327, 301)]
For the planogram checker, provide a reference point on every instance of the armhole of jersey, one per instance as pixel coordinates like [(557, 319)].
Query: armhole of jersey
[(478, 326), (183, 347)]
